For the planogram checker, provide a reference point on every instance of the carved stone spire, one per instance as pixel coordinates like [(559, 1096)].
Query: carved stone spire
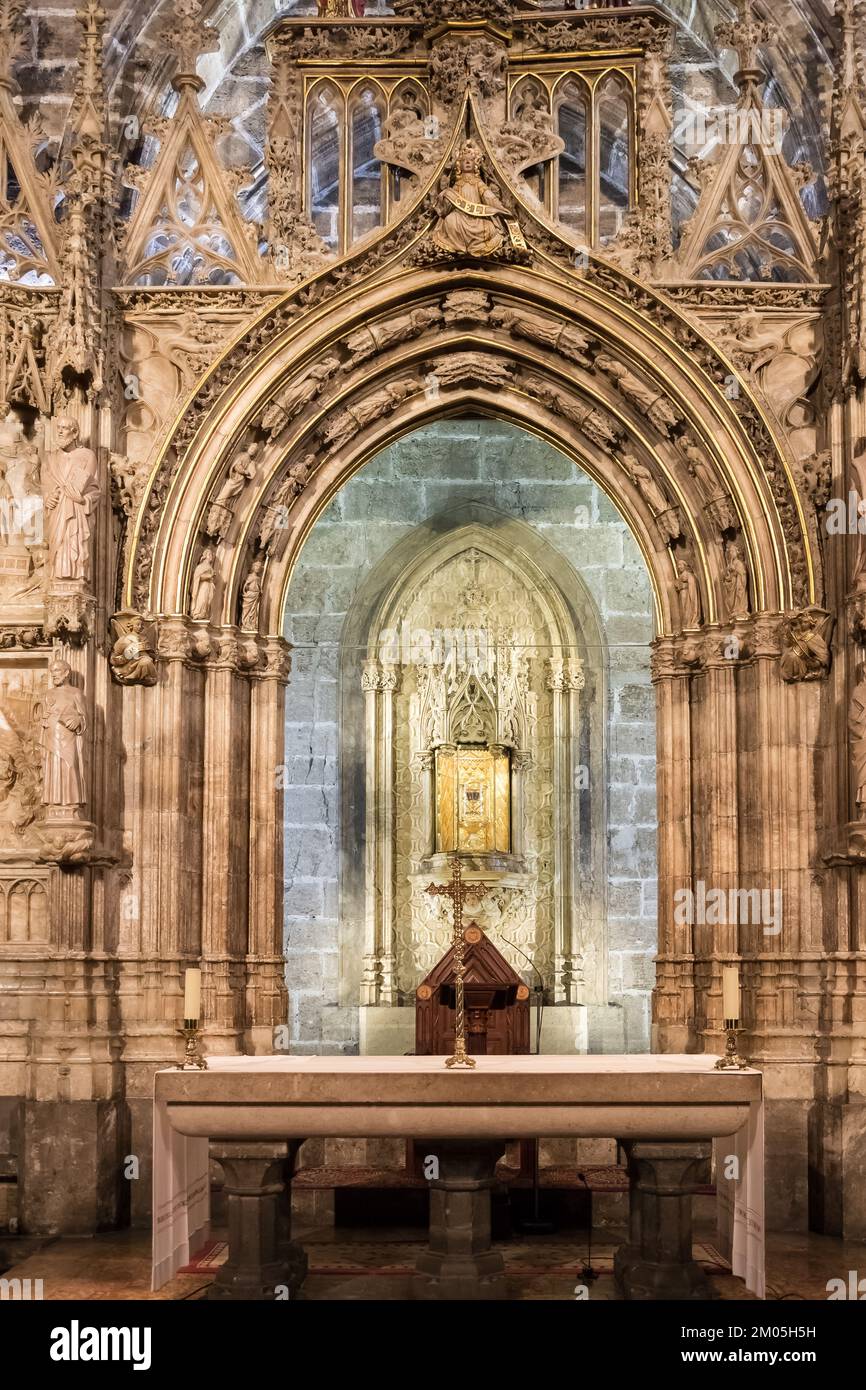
[(745, 36), (78, 346), (189, 36)]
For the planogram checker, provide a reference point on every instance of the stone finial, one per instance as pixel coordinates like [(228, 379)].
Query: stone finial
[(745, 35), (189, 36)]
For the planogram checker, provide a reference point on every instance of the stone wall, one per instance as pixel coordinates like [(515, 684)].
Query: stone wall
[(428, 473)]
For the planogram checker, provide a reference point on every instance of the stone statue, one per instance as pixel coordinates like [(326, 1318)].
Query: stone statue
[(276, 516), (560, 337), (251, 595), (203, 586), (131, 657), (806, 645), (736, 582), (242, 471), (369, 408), (292, 400), (71, 486), (63, 719), (857, 736), (470, 214), (665, 515), (376, 337), (690, 595), (656, 407)]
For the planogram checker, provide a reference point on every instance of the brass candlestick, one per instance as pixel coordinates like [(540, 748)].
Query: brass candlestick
[(458, 891), (194, 1058), (732, 1058)]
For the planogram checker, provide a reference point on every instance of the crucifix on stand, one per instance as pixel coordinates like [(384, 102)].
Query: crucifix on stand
[(458, 892)]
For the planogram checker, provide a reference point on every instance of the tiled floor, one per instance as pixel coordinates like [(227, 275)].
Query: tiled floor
[(376, 1264)]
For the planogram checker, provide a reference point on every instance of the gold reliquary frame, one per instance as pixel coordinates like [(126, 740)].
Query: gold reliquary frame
[(473, 799)]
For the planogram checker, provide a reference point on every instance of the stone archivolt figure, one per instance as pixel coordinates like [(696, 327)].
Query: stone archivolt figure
[(690, 594), (471, 217), (63, 721), (242, 471), (71, 489), (203, 586), (131, 657), (806, 645), (251, 595), (736, 582)]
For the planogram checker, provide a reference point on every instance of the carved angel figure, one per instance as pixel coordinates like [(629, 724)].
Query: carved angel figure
[(17, 808), (131, 657), (470, 213), (806, 645), (667, 517)]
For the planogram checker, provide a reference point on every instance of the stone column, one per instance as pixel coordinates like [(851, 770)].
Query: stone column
[(564, 679), (263, 1261), (266, 1002), (379, 681), (673, 997), (657, 1261), (459, 1261)]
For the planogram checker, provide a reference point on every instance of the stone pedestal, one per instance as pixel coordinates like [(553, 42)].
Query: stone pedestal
[(459, 1262), (656, 1262), (263, 1259)]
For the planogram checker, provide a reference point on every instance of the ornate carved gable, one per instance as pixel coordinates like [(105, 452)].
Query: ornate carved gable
[(848, 153), (187, 228), (750, 223), (28, 244)]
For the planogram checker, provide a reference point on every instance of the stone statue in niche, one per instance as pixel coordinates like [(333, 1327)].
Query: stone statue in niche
[(857, 736), (71, 487), (251, 595), (63, 723), (656, 407), (376, 337), (241, 472), (471, 217), (365, 411), (203, 586), (295, 397), (806, 645), (132, 653), (667, 518), (560, 337), (595, 425), (736, 582), (690, 594)]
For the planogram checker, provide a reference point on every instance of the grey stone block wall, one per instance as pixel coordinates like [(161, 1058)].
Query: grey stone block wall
[(435, 470)]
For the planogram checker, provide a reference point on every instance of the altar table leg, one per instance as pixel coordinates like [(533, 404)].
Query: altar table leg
[(263, 1259), (459, 1261), (657, 1260)]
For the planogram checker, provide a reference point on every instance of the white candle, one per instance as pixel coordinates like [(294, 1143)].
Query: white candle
[(192, 994), (731, 991)]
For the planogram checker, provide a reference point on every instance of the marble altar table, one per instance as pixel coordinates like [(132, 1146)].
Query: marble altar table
[(256, 1112)]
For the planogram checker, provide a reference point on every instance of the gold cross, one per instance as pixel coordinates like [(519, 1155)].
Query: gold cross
[(458, 892)]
